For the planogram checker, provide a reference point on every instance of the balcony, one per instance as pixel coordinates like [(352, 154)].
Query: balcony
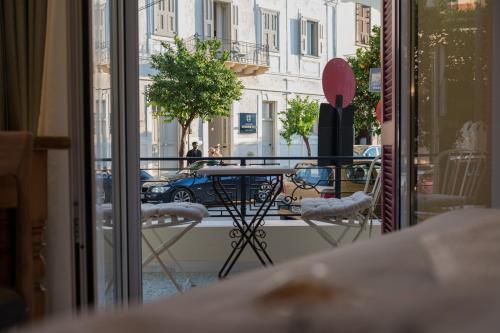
[(203, 250), (245, 59)]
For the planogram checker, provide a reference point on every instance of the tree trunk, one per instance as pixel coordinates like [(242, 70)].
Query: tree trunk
[(184, 131), (308, 145), (182, 147)]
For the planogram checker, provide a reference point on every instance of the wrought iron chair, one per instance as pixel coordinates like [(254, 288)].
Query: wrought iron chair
[(354, 211)]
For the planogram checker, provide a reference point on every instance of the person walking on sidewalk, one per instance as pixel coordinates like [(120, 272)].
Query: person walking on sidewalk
[(194, 152)]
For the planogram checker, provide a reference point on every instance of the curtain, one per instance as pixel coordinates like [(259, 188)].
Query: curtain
[(22, 48)]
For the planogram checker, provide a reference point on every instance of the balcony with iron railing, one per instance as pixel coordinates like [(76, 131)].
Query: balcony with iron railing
[(285, 234), (245, 59)]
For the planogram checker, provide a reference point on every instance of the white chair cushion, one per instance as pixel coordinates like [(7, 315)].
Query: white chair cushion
[(148, 211), (193, 211), (318, 208)]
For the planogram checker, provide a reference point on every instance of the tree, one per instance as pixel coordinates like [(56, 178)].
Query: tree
[(365, 102), (299, 119), (192, 83)]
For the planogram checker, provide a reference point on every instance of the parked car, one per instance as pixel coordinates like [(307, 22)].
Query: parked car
[(313, 181), (366, 150), (310, 179), (104, 183), (188, 186)]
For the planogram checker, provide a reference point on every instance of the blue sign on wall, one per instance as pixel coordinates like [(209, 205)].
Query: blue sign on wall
[(248, 123), (375, 80)]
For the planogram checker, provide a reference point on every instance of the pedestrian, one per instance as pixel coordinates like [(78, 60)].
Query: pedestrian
[(195, 152), (211, 152), (218, 152)]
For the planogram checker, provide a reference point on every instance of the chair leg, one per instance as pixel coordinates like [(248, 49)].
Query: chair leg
[(346, 229), (171, 242), (363, 220), (163, 266), (372, 216), (326, 236), (176, 262)]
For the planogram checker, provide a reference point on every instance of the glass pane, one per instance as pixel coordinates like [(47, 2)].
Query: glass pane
[(453, 106), (248, 129), (104, 238)]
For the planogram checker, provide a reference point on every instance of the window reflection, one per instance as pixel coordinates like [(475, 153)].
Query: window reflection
[(452, 113)]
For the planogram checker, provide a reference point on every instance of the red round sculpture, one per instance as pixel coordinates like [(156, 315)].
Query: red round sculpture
[(378, 111), (338, 79)]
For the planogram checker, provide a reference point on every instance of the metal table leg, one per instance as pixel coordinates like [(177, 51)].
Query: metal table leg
[(249, 232)]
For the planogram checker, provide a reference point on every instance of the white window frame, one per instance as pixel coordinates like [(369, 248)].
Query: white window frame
[(316, 38), (270, 29)]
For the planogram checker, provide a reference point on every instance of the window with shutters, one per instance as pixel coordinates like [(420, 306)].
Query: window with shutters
[(310, 37), (165, 17), (270, 29), (363, 24), (235, 21), (312, 34)]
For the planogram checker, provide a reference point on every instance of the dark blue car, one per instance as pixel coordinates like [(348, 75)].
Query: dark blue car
[(104, 184), (188, 186)]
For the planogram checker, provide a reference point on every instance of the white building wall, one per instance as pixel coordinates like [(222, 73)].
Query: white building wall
[(290, 73)]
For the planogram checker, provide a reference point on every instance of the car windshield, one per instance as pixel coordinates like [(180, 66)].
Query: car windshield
[(145, 175), (312, 174), (358, 150), (195, 166)]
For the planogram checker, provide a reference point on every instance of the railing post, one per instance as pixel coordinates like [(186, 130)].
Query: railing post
[(338, 179)]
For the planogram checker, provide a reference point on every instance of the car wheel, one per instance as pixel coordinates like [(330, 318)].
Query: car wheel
[(182, 195)]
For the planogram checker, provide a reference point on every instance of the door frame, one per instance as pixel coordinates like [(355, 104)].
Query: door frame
[(127, 262), (273, 107), (124, 30)]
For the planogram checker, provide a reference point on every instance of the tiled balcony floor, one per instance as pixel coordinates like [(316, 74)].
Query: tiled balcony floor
[(155, 285)]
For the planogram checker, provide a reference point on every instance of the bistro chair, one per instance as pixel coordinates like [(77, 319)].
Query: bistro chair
[(183, 216), (155, 217), (456, 178), (355, 211)]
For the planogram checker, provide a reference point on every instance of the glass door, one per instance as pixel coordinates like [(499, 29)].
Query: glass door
[(115, 152), (453, 111), (102, 118)]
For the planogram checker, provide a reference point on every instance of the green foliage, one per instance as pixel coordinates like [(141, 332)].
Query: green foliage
[(364, 101), (452, 52), (299, 119), (192, 82)]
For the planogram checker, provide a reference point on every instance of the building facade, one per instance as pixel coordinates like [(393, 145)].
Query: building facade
[(296, 38)]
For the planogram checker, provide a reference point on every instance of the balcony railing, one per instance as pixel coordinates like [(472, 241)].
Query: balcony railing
[(102, 55), (244, 58), (162, 180)]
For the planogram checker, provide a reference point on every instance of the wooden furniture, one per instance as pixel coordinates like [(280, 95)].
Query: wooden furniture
[(39, 211), (16, 248), (23, 204)]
